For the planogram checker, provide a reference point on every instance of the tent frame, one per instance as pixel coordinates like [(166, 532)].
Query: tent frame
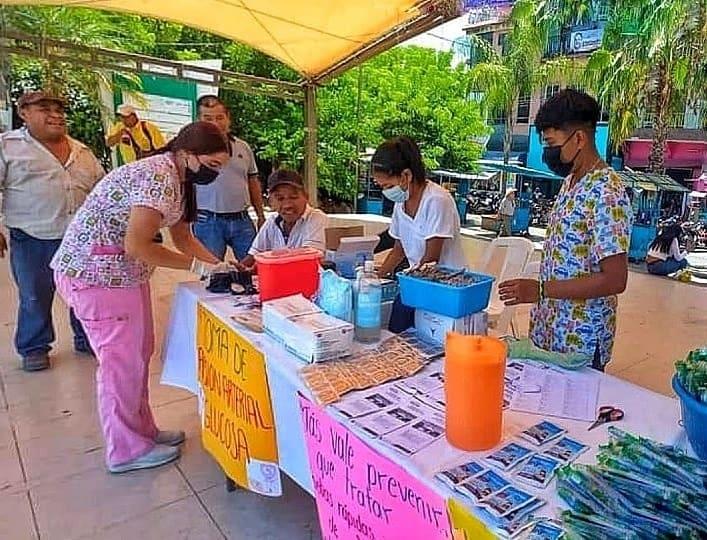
[(432, 13)]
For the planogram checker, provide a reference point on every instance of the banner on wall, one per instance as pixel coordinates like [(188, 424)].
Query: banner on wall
[(237, 423), (361, 495)]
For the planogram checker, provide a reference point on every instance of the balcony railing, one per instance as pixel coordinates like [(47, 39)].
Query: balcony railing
[(690, 119)]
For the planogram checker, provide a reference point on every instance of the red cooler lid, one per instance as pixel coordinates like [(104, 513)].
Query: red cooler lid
[(283, 256)]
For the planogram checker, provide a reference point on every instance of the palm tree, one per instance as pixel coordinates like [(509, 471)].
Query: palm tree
[(502, 77), (652, 60)]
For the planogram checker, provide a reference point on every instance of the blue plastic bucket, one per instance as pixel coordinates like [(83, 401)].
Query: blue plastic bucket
[(694, 418)]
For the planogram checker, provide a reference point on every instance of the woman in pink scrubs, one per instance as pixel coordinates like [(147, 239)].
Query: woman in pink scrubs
[(102, 270)]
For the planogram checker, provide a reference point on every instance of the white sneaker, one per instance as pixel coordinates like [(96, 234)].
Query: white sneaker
[(159, 455), (170, 438)]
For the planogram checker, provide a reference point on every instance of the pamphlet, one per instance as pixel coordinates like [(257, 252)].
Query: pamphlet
[(509, 456), (456, 475), (542, 433), (538, 471), (478, 488), (508, 500), (566, 449), (388, 420), (435, 399), (417, 435), (545, 530), (550, 391), (425, 382), (369, 401)]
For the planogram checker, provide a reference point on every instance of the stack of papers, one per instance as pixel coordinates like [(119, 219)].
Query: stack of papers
[(306, 331), (549, 391), (391, 414)]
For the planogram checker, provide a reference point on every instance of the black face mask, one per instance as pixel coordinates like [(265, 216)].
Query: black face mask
[(205, 175), (552, 158)]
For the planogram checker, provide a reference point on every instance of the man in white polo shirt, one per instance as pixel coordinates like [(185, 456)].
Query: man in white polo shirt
[(45, 176), (223, 218), (295, 225)]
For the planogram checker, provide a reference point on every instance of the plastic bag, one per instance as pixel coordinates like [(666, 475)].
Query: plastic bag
[(335, 296)]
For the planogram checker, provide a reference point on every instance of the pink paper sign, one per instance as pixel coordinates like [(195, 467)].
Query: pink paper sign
[(362, 495)]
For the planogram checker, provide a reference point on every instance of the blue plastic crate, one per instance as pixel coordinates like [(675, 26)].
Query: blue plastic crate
[(445, 299)]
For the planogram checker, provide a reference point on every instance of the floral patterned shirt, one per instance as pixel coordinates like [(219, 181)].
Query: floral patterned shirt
[(588, 223), (93, 246)]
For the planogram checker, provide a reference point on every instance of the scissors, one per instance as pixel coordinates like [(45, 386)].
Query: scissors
[(607, 413)]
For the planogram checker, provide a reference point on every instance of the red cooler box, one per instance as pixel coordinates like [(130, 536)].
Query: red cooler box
[(284, 272)]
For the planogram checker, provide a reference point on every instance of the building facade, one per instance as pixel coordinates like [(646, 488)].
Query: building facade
[(686, 153)]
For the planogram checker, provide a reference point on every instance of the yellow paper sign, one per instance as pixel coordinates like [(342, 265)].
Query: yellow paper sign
[(238, 427), (464, 525)]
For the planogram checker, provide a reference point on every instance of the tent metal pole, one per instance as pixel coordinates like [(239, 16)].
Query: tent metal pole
[(310, 142)]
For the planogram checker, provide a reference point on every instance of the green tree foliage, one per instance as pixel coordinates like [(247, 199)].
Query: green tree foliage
[(408, 90), (652, 60), (80, 85)]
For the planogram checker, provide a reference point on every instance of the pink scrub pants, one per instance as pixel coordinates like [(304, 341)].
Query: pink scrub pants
[(118, 322)]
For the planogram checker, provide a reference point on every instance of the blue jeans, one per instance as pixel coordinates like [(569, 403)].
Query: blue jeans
[(217, 233), (668, 266), (29, 261)]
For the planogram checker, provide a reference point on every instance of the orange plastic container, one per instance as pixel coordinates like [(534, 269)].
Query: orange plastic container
[(284, 272), (473, 386)]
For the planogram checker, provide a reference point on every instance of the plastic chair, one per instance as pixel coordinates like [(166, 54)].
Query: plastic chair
[(505, 258)]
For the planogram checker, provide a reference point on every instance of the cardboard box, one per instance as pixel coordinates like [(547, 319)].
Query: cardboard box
[(352, 252), (434, 327), (306, 331), (333, 235)]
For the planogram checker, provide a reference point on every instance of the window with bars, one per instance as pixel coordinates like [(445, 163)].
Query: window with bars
[(523, 109), (551, 90)]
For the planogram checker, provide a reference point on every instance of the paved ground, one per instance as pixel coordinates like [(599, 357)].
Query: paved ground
[(53, 484)]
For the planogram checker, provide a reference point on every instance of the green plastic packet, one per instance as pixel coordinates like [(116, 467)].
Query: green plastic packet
[(524, 348)]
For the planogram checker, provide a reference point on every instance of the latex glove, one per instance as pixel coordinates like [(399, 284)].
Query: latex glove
[(205, 270)]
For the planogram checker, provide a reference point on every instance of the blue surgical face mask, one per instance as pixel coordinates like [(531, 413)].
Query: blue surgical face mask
[(396, 194)]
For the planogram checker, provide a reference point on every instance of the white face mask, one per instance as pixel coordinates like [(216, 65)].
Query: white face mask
[(396, 194)]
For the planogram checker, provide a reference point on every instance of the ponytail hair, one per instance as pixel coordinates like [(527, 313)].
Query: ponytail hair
[(397, 154), (199, 138)]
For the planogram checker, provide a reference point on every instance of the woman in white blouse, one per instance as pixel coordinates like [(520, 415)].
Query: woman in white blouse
[(425, 223), (664, 255)]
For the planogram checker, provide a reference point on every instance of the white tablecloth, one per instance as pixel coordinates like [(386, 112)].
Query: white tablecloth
[(647, 413)]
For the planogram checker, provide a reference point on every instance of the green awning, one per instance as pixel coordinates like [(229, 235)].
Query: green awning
[(651, 181)]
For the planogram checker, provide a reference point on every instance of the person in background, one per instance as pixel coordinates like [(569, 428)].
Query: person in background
[(296, 223), (584, 260), (223, 218), (505, 211), (102, 270), (664, 255), (425, 223), (45, 176), (136, 139)]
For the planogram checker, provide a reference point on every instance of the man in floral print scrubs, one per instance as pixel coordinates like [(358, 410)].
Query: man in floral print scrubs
[(584, 261)]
